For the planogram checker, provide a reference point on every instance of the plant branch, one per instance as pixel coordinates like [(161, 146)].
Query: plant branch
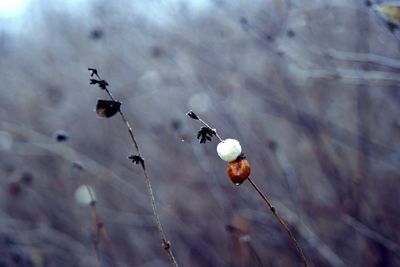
[(208, 126), (194, 116), (98, 222), (165, 243), (281, 221)]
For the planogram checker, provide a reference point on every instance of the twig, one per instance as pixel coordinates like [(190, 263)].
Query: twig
[(350, 74), (372, 234), (208, 126), (99, 224), (165, 243), (281, 221), (362, 57), (194, 116)]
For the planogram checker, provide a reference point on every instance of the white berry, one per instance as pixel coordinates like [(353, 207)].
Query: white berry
[(229, 149), (82, 195)]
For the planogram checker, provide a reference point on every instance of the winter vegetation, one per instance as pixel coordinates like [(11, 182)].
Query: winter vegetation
[(111, 172)]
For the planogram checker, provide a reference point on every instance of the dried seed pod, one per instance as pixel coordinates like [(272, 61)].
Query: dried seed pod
[(238, 171)]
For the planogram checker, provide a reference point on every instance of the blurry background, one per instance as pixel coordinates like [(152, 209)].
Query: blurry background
[(309, 87)]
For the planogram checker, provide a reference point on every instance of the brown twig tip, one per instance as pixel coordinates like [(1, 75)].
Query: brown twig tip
[(204, 131), (192, 115), (92, 72)]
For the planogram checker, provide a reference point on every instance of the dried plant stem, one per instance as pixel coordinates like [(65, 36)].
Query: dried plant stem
[(96, 249), (281, 221), (99, 224), (208, 126), (165, 243), (264, 197)]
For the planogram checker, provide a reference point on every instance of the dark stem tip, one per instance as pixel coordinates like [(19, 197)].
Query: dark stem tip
[(192, 115)]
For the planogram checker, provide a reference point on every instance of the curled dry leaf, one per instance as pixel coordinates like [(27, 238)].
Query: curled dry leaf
[(107, 108)]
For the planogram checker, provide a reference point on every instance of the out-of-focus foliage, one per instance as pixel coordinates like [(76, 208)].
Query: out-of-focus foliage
[(309, 88), (390, 10)]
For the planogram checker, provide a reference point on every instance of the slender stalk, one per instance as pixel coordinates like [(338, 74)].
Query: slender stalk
[(99, 224), (165, 243), (281, 222), (267, 201), (208, 126)]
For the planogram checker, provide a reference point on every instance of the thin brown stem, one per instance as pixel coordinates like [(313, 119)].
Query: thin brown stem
[(267, 201), (281, 222), (208, 126), (98, 223), (165, 243), (96, 249)]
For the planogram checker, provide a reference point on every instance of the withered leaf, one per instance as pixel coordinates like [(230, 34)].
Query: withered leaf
[(205, 133), (102, 83), (107, 108), (136, 159), (94, 81)]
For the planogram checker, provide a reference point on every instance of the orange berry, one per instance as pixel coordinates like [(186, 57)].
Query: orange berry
[(238, 171)]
